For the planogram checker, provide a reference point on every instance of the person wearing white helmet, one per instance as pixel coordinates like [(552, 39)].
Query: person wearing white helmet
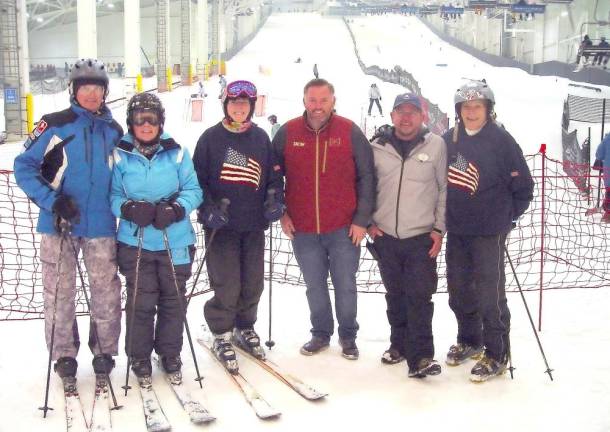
[(489, 186), (66, 169)]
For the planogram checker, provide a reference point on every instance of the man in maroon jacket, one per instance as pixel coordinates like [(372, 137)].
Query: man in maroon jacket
[(330, 193)]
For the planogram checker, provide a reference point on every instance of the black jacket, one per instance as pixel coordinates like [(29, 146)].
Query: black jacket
[(488, 184), (237, 166)]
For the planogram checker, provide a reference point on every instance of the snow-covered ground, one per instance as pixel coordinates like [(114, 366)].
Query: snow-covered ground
[(363, 395)]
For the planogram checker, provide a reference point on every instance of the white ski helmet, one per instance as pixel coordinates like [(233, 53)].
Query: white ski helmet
[(474, 90)]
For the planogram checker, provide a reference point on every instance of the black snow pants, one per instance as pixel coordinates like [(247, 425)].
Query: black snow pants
[(156, 294), (409, 276), (475, 281), (236, 270)]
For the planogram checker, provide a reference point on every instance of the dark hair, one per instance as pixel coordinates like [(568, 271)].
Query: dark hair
[(319, 82)]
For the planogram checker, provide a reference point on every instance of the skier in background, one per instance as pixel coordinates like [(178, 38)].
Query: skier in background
[(586, 43), (154, 189), (602, 57), (201, 92), (223, 84), (66, 169), (374, 97), (275, 126), (602, 163)]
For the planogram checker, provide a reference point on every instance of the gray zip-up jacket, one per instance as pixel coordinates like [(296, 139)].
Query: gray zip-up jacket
[(411, 192)]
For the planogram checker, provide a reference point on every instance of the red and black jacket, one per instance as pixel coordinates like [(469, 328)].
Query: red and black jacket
[(329, 174)]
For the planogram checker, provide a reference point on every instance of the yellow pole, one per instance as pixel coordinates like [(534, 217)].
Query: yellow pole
[(139, 86), (169, 79), (190, 74), (29, 111)]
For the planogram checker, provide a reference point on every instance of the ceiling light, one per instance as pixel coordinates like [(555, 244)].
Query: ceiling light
[(39, 19)]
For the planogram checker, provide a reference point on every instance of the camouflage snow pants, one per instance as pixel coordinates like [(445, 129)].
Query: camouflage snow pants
[(59, 275)]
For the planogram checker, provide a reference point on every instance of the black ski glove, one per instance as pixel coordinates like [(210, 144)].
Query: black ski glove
[(65, 207), (166, 213), (213, 217), (274, 206), (598, 165), (142, 213)]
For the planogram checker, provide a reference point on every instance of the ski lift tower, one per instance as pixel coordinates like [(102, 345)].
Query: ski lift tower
[(14, 78)]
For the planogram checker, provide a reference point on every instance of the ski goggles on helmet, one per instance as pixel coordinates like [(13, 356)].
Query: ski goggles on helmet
[(142, 117), (241, 88), (471, 94)]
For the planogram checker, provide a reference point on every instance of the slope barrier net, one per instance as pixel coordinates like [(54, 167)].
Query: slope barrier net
[(559, 243)]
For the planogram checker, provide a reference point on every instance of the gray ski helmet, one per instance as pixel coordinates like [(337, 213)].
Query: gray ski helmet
[(474, 90), (88, 70), (145, 102)]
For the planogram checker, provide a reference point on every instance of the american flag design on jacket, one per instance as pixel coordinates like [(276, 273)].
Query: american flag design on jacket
[(463, 174), (239, 168)]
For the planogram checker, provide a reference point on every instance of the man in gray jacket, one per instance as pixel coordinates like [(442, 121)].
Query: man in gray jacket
[(408, 228)]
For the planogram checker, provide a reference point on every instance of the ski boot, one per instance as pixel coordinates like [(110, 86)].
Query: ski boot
[(66, 367), (248, 340), (224, 352), (460, 352), (172, 366), (486, 368), (142, 368), (103, 364), (425, 367)]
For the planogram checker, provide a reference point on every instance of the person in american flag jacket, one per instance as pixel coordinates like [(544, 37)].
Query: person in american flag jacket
[(243, 194), (489, 186)]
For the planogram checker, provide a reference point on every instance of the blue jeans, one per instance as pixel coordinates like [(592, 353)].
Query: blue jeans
[(317, 255)]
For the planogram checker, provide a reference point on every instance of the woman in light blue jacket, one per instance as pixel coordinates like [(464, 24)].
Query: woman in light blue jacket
[(154, 189)]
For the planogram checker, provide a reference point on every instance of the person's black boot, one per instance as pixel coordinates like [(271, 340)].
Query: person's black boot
[(103, 364), (66, 367)]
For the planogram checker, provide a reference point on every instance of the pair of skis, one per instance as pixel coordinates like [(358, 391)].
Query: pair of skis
[(261, 407), (156, 421), (155, 418), (75, 414)]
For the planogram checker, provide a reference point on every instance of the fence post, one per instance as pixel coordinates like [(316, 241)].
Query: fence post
[(542, 233)]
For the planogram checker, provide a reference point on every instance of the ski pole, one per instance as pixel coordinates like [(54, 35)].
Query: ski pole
[(599, 189), (271, 199), (133, 307), (93, 323), (182, 306), (529, 315), (64, 226), (224, 205)]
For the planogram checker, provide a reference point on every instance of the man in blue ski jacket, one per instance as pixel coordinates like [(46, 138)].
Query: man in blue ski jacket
[(65, 169)]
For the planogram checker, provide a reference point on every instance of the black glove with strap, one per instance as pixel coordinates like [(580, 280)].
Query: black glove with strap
[(598, 165), (167, 213), (142, 213), (274, 205), (65, 207)]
